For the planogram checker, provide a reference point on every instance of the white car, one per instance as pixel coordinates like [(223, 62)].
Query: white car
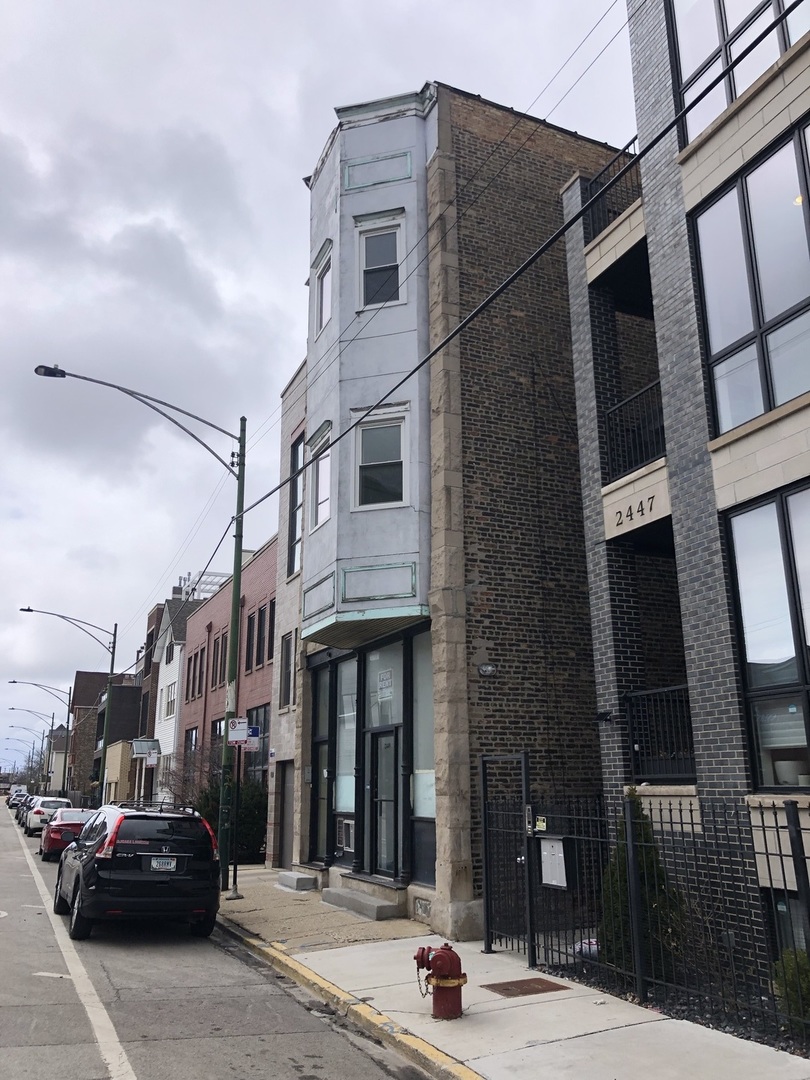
[(40, 813)]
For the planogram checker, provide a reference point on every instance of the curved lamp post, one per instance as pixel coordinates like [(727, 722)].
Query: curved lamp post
[(82, 625), (65, 697), (238, 473)]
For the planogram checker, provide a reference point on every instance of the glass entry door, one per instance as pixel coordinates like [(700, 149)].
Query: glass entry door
[(384, 802)]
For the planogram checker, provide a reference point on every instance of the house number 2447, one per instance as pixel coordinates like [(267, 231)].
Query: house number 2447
[(643, 508)]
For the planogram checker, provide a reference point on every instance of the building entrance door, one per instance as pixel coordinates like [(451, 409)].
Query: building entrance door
[(384, 825)]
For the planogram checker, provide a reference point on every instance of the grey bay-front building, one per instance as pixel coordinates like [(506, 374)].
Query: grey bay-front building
[(432, 592), (690, 308)]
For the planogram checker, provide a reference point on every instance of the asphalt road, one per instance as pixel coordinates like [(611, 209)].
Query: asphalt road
[(148, 1002)]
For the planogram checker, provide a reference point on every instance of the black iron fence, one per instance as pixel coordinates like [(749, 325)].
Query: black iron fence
[(697, 906), (635, 432), (659, 726), (622, 195)]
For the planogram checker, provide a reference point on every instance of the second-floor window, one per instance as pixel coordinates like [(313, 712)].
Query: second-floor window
[(250, 640), (285, 696), (190, 741), (754, 264), (171, 699), (380, 465), (215, 664), (261, 634), (321, 474), (323, 296), (296, 525), (380, 266)]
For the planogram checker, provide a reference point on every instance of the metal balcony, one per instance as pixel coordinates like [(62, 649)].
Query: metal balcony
[(635, 432), (615, 201), (659, 726)]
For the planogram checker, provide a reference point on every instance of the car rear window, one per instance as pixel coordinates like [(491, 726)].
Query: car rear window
[(75, 815), (163, 830), (53, 804)]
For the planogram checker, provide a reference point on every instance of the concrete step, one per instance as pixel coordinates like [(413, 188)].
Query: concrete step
[(363, 904), (291, 879)]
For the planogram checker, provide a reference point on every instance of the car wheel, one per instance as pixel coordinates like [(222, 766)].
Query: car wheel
[(79, 927), (60, 904), (26, 830), (43, 854), (205, 926)]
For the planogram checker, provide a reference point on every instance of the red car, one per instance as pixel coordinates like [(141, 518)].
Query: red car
[(61, 830)]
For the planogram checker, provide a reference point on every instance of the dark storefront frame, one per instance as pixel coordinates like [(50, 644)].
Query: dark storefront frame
[(324, 849)]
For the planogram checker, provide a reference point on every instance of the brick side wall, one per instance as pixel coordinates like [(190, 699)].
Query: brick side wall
[(524, 558)]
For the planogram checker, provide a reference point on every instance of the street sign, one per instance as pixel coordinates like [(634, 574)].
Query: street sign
[(252, 741), (237, 731)]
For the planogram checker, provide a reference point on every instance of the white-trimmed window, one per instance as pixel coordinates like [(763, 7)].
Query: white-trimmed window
[(321, 485), (323, 295), (171, 699), (380, 473), (380, 258)]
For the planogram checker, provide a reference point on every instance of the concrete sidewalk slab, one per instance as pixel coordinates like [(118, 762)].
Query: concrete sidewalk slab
[(366, 971)]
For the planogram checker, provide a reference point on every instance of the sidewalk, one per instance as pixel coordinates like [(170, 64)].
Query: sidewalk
[(366, 970)]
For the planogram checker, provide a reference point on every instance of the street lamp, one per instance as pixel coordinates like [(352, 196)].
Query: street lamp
[(80, 624), (46, 718), (65, 697), (238, 473)]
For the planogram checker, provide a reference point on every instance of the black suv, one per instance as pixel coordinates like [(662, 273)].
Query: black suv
[(132, 861)]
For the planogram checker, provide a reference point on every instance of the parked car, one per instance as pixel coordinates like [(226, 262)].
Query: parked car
[(133, 862), (23, 807), (61, 830), (40, 813), (15, 798)]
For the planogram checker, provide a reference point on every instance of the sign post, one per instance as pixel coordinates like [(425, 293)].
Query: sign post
[(239, 735)]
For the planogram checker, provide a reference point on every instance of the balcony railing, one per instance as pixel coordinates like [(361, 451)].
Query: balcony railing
[(635, 432), (623, 194), (659, 725)]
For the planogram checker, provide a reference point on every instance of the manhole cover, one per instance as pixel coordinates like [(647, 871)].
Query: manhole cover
[(523, 987)]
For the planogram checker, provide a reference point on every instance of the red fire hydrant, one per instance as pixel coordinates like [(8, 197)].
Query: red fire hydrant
[(445, 978)]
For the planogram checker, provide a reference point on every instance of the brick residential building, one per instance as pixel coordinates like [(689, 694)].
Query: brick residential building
[(431, 564)]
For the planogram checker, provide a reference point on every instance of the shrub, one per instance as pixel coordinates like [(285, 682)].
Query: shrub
[(661, 905), (791, 983)]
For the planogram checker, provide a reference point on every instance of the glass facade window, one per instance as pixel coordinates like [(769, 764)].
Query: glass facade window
[(770, 546), (373, 768), (261, 634), (710, 34), (346, 737), (754, 265), (285, 681), (257, 761)]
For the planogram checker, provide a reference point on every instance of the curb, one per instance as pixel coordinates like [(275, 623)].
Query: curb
[(365, 1016)]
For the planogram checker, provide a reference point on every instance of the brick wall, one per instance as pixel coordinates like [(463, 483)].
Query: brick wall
[(525, 581)]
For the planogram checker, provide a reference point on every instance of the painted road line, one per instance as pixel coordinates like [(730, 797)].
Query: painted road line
[(112, 1052)]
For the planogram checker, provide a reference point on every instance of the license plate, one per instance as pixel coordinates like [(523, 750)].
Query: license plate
[(162, 862)]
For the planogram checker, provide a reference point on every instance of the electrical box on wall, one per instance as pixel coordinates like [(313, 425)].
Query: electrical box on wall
[(557, 864)]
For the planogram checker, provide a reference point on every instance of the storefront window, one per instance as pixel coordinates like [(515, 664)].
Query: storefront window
[(346, 736), (384, 686)]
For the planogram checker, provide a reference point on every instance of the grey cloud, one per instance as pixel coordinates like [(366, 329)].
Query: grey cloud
[(154, 258)]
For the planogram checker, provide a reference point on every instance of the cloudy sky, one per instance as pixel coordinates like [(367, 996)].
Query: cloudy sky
[(154, 233)]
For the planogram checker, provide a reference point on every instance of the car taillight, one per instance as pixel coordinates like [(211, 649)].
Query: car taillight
[(106, 849), (214, 845), (39, 811)]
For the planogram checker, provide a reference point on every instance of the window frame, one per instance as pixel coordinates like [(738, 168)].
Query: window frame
[(171, 700), (377, 227), (295, 489), (250, 641), (376, 420), (285, 695), (321, 455), (323, 287), (261, 635), (722, 52), (762, 328), (800, 687)]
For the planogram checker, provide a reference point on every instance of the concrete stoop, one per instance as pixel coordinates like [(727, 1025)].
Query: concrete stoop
[(291, 879), (363, 903)]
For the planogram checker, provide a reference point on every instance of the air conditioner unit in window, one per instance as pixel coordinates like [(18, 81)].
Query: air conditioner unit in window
[(344, 834)]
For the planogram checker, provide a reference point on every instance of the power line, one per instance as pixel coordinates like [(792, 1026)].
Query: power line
[(341, 344), (548, 243)]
